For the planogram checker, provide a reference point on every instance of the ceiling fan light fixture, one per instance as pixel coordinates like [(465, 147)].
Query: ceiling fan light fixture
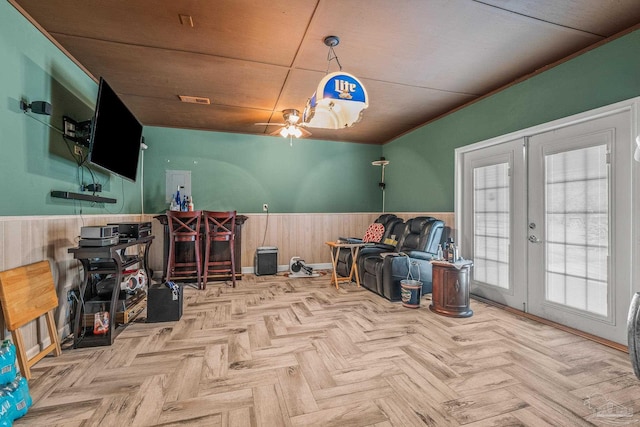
[(290, 130), (291, 115), (291, 126)]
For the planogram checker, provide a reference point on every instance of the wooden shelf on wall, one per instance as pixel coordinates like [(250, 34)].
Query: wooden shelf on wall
[(80, 196)]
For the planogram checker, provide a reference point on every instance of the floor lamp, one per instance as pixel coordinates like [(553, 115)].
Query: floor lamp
[(382, 162)]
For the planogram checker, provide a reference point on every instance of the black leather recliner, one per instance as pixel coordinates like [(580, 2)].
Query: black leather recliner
[(345, 261), (394, 233), (417, 245)]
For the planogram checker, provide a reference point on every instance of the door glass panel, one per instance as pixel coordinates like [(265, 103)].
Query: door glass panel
[(577, 229), (491, 224)]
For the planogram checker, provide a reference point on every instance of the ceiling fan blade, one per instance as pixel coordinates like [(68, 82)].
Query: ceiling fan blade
[(277, 131), (268, 124), (305, 132)]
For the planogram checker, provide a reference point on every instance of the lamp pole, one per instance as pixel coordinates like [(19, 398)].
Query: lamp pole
[(382, 162)]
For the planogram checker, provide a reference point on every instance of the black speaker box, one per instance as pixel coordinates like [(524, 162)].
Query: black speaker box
[(41, 107), (161, 307), (266, 261)]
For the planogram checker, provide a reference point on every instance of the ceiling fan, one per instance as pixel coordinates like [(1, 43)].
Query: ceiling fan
[(291, 126)]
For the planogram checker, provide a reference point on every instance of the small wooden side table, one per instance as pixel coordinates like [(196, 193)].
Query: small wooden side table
[(451, 289), (334, 247)]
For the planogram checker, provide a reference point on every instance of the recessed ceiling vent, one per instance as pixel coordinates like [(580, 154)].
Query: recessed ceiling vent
[(186, 20), (195, 99)]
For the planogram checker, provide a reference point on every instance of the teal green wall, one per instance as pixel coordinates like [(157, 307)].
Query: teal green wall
[(241, 172), (34, 159), (229, 171), (420, 176)]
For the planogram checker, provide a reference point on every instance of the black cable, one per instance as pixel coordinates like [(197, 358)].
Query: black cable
[(73, 155), (122, 205), (44, 123), (265, 229), (93, 178), (81, 161)]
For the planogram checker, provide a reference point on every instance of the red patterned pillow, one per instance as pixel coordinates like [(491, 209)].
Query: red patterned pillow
[(374, 233)]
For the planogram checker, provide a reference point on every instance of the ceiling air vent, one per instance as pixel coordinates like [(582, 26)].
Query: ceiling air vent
[(186, 20), (195, 99)]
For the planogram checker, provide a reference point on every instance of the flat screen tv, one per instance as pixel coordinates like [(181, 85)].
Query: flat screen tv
[(115, 135)]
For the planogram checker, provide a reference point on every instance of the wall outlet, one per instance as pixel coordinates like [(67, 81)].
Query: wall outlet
[(77, 150), (265, 207)]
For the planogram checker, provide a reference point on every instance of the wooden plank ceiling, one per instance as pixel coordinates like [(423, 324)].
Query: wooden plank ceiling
[(417, 59)]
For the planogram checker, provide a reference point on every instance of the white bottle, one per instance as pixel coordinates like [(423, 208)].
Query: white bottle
[(440, 255), (190, 206)]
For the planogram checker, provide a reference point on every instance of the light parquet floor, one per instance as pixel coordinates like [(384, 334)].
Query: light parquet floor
[(297, 352)]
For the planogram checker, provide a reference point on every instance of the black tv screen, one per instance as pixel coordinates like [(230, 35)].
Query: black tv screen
[(115, 135)]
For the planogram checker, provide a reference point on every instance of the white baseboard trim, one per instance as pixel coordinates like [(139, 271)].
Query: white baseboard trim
[(252, 270), (63, 332), (285, 267)]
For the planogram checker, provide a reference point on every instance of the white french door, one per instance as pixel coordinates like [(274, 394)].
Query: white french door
[(580, 225), (495, 178), (547, 220)]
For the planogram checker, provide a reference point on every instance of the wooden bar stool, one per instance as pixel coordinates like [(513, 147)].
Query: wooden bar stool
[(219, 227), (184, 228)]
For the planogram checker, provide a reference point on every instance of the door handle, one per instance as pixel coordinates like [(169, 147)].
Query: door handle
[(534, 239)]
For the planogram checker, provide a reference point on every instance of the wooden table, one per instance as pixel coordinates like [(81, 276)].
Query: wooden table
[(335, 247)]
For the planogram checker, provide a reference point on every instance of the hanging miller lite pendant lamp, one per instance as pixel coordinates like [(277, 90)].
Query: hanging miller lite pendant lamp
[(339, 100)]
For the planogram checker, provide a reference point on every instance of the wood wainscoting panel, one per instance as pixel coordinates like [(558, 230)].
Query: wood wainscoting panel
[(294, 234)]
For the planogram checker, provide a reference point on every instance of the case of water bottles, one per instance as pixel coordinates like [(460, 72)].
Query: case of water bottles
[(15, 399)]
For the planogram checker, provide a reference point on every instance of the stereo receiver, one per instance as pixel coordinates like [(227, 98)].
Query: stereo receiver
[(99, 232)]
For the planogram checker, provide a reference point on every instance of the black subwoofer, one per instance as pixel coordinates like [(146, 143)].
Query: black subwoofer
[(161, 305), (266, 260)]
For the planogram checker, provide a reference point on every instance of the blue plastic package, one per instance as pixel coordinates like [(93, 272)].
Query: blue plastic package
[(8, 370), (19, 398), (5, 410)]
